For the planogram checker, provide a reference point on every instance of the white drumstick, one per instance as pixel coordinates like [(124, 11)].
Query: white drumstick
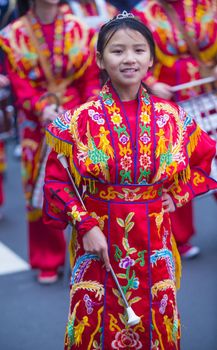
[(193, 84)]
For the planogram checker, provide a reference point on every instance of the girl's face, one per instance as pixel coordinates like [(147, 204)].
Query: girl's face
[(126, 59)]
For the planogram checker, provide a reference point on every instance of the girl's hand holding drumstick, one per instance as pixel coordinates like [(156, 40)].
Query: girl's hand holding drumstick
[(94, 241)]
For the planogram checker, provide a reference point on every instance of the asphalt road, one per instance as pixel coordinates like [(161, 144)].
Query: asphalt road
[(33, 316)]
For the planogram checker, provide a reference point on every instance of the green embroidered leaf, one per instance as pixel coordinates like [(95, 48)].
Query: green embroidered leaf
[(141, 256), (116, 292), (125, 244), (121, 275), (132, 250), (131, 280), (118, 253), (123, 319), (129, 217), (128, 295), (120, 222), (134, 300), (129, 226)]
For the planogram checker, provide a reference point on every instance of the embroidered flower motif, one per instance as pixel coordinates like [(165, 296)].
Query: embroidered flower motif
[(126, 262), (144, 161), (126, 162), (126, 339), (145, 117), (130, 195), (108, 102), (145, 139), (135, 284), (89, 304), (95, 116), (75, 214), (124, 139), (163, 304), (116, 119), (101, 219), (162, 120)]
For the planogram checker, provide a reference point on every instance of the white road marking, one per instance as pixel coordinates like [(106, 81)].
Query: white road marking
[(11, 262)]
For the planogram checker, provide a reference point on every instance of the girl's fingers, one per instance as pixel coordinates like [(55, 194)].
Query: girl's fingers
[(105, 259)]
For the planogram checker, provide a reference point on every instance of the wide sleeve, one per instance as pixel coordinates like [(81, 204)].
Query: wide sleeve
[(61, 206), (195, 179), (27, 97)]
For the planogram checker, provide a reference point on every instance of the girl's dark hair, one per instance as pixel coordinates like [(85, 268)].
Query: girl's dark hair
[(110, 28), (24, 5)]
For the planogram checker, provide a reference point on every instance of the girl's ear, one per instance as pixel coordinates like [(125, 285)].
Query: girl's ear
[(99, 60), (151, 62)]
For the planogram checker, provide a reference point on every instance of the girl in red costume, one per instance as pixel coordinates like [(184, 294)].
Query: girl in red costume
[(48, 51), (175, 64), (138, 156)]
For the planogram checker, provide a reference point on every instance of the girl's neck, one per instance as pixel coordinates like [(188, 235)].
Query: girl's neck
[(127, 94), (45, 12)]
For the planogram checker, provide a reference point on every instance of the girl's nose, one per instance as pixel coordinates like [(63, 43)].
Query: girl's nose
[(129, 57)]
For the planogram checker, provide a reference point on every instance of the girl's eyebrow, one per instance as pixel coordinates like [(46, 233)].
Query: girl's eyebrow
[(123, 45)]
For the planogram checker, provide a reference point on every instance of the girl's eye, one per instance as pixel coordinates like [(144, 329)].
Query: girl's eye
[(140, 50), (117, 51)]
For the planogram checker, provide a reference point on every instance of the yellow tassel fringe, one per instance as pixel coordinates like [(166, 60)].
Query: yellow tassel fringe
[(178, 264), (60, 146), (194, 138), (185, 174), (72, 247), (34, 215)]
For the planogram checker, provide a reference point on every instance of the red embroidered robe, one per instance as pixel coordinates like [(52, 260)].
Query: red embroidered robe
[(68, 45), (125, 174)]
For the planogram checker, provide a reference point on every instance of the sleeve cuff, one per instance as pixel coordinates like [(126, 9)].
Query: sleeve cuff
[(86, 225)]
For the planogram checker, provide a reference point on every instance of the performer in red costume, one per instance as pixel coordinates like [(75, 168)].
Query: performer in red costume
[(50, 51), (176, 63), (138, 156), (93, 12), (7, 14)]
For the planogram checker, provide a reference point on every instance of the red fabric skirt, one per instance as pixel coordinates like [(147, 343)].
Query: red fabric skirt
[(46, 244), (140, 248)]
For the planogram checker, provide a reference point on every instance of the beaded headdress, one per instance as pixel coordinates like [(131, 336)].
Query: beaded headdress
[(124, 14)]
